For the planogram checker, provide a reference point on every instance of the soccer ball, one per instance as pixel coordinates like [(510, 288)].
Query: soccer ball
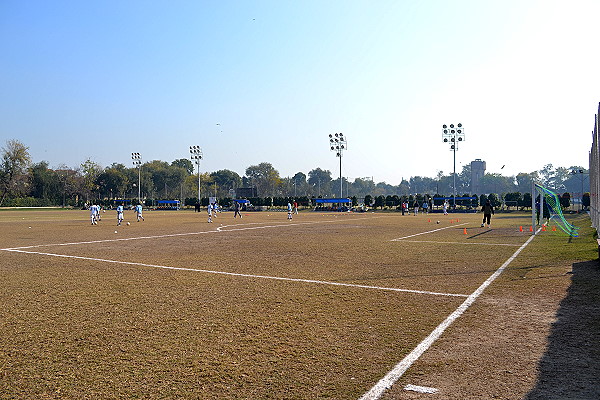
[(438, 222), (128, 223)]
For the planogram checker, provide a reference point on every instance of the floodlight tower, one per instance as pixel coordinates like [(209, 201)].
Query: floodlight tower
[(338, 143), (137, 162), (453, 135), (196, 155)]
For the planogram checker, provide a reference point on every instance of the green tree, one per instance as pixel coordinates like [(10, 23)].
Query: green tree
[(264, 177), (565, 200), (184, 163), (300, 184), (225, 180), (319, 181), (90, 171), (44, 182), (13, 170), (512, 199)]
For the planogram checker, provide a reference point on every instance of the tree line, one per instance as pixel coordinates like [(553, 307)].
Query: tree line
[(24, 182)]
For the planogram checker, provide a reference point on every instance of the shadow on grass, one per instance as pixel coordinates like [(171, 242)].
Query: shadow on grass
[(570, 368)]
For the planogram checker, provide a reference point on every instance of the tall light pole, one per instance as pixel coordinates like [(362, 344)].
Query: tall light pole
[(196, 156), (338, 143), (137, 162), (453, 134)]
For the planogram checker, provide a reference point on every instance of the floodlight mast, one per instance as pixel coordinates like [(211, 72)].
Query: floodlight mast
[(196, 156), (137, 162), (453, 134), (338, 143)]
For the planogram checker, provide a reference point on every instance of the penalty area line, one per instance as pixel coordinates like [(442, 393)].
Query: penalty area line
[(207, 271), (396, 373), (425, 233)]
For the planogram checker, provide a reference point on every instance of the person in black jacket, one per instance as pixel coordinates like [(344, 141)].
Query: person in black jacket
[(487, 210)]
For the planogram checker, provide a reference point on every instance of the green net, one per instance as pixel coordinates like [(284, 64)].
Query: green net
[(554, 211)]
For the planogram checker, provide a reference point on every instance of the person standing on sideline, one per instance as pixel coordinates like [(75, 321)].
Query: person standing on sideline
[(236, 209), (487, 210), (138, 211), (289, 211), (445, 207), (295, 207), (426, 207), (119, 214), (416, 207)]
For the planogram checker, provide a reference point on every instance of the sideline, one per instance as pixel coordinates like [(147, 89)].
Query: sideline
[(396, 373)]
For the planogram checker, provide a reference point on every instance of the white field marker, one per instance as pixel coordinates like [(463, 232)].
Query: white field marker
[(420, 389)]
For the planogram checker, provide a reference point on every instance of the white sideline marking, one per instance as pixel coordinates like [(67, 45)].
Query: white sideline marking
[(420, 389), (424, 233), (388, 380), (471, 243), (279, 278)]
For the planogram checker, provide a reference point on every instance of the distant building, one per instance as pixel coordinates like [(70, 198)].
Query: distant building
[(477, 173)]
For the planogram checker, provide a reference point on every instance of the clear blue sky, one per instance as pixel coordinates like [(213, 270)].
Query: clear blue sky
[(100, 80)]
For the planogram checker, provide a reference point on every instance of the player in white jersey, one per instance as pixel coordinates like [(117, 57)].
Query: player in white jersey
[(119, 214), (209, 209), (138, 211), (289, 211), (94, 214)]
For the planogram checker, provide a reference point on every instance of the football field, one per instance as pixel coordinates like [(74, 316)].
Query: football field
[(327, 305)]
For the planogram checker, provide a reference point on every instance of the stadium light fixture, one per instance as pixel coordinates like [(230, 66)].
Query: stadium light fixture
[(196, 156), (137, 163), (338, 143), (453, 135)]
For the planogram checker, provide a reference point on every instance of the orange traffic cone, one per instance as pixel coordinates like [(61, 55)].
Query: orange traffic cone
[(531, 229), (554, 229), (465, 231), (521, 228), (428, 219), (543, 228), (457, 220)]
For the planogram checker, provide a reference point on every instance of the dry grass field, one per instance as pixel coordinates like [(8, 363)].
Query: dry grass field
[(322, 306)]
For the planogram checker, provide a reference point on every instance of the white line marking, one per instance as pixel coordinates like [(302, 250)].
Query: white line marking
[(420, 389), (471, 243), (219, 229), (243, 275), (424, 233), (388, 380)]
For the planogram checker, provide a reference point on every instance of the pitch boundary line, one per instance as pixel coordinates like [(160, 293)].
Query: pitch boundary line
[(279, 278), (396, 373), (466, 243), (424, 233)]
